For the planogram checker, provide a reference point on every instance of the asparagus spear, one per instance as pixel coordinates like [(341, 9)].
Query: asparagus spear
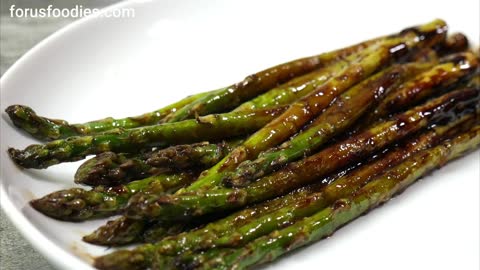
[(78, 204), (257, 83), (325, 222), (298, 87), (210, 127), (452, 69), (302, 111), (296, 174), (51, 129), (297, 205), (346, 109), (110, 168)]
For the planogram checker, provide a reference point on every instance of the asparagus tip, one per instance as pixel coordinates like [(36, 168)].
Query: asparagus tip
[(19, 113), (68, 205), (27, 119), (94, 171), (39, 127), (18, 156), (31, 157), (116, 232), (91, 239)]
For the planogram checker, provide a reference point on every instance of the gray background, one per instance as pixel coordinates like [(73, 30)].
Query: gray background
[(17, 35)]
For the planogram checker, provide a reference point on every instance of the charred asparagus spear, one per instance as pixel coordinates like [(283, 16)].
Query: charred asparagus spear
[(51, 129), (297, 205), (78, 204), (110, 168), (451, 70), (302, 111), (296, 174), (346, 109), (210, 127), (46, 128), (325, 222)]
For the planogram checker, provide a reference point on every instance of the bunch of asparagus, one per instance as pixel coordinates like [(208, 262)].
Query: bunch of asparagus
[(236, 177)]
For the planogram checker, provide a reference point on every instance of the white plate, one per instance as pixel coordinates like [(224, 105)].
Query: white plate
[(98, 67)]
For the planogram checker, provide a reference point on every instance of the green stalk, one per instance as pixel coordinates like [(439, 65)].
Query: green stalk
[(210, 127), (298, 87), (258, 83), (78, 204), (52, 129)]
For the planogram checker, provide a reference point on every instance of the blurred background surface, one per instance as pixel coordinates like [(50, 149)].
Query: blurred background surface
[(17, 36)]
